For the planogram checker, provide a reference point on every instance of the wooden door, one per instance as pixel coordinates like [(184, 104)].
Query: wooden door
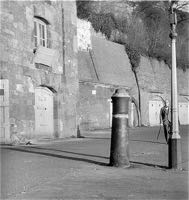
[(184, 113), (154, 112), (132, 115), (44, 119), (4, 111)]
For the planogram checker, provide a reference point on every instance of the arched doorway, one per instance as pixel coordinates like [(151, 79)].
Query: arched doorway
[(135, 117), (183, 112), (154, 112), (44, 111)]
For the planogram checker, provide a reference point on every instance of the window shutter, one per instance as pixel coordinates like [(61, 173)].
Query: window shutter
[(44, 56), (49, 43)]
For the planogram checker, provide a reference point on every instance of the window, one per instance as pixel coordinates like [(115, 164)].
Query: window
[(40, 33)]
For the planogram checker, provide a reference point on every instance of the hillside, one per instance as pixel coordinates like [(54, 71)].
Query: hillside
[(142, 26)]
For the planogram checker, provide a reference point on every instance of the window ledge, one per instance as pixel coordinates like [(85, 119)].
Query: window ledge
[(44, 67)]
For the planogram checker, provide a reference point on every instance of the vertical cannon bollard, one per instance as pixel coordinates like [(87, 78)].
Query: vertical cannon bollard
[(119, 152)]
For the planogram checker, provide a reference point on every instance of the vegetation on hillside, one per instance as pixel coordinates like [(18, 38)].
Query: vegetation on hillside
[(142, 27), (145, 26)]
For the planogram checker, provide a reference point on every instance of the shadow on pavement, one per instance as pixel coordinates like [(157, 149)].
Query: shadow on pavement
[(98, 138), (148, 141), (133, 140), (71, 152), (32, 150), (56, 155), (150, 165)]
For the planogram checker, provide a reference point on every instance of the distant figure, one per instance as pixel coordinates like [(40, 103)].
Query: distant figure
[(164, 117)]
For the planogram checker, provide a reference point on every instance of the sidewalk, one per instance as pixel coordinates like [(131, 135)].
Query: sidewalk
[(78, 169)]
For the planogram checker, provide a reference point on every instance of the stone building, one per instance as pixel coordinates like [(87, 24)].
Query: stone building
[(38, 75), (105, 66)]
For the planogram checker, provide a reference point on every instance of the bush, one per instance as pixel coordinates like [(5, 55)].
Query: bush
[(104, 23), (134, 56)]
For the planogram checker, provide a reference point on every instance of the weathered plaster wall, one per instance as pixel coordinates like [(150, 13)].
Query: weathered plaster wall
[(94, 105), (18, 62)]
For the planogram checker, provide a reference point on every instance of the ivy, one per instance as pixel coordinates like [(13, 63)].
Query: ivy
[(134, 56), (83, 9), (103, 22)]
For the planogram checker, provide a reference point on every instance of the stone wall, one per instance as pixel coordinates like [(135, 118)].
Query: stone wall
[(113, 68), (24, 74), (155, 80), (83, 34), (94, 105), (71, 81)]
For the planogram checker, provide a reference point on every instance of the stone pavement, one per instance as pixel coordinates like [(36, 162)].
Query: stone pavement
[(78, 169)]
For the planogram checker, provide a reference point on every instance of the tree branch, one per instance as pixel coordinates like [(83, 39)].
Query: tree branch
[(179, 21)]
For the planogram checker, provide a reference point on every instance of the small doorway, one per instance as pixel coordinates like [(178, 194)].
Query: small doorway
[(154, 112), (44, 111), (132, 116), (184, 113)]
